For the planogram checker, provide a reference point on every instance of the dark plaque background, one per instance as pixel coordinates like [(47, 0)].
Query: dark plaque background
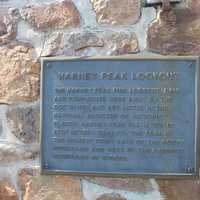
[(119, 116)]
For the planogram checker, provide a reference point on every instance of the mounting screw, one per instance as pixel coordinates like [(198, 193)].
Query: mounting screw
[(54, 139), (190, 170), (49, 65), (46, 165)]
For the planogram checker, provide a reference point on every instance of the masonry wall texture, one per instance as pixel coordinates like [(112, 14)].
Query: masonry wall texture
[(30, 29)]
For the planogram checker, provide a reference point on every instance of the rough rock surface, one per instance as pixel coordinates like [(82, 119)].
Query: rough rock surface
[(180, 189), (127, 184), (118, 43), (19, 73), (53, 45), (15, 152), (111, 196), (54, 16), (39, 187), (7, 191), (176, 31), (3, 28), (113, 12), (85, 39), (8, 26), (25, 122), (87, 43)]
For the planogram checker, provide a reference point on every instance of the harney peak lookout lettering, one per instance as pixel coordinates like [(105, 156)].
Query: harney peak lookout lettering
[(119, 116), (118, 76), (119, 90)]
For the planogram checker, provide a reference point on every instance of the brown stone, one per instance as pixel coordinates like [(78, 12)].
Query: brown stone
[(176, 32), (24, 122), (194, 3), (127, 184), (180, 189), (19, 73), (42, 187), (114, 12), (54, 16), (111, 196), (7, 191)]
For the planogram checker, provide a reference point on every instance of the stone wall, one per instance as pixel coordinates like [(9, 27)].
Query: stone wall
[(30, 29)]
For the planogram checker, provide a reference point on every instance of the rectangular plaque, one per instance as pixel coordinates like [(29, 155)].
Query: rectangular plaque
[(120, 116)]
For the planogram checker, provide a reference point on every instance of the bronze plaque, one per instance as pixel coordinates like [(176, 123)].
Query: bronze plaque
[(120, 116)]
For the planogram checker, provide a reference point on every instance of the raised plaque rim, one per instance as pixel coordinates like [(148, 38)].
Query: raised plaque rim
[(195, 174)]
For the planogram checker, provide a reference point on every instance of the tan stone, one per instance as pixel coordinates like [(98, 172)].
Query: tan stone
[(180, 189), (127, 184), (118, 43), (19, 73), (54, 16), (115, 12), (7, 191), (176, 32), (39, 187), (111, 196)]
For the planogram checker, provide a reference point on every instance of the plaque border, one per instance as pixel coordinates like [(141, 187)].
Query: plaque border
[(194, 174)]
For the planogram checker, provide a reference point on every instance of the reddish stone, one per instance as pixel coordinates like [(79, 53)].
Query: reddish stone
[(7, 191), (42, 187), (176, 32), (180, 189), (52, 16), (112, 12), (194, 3)]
